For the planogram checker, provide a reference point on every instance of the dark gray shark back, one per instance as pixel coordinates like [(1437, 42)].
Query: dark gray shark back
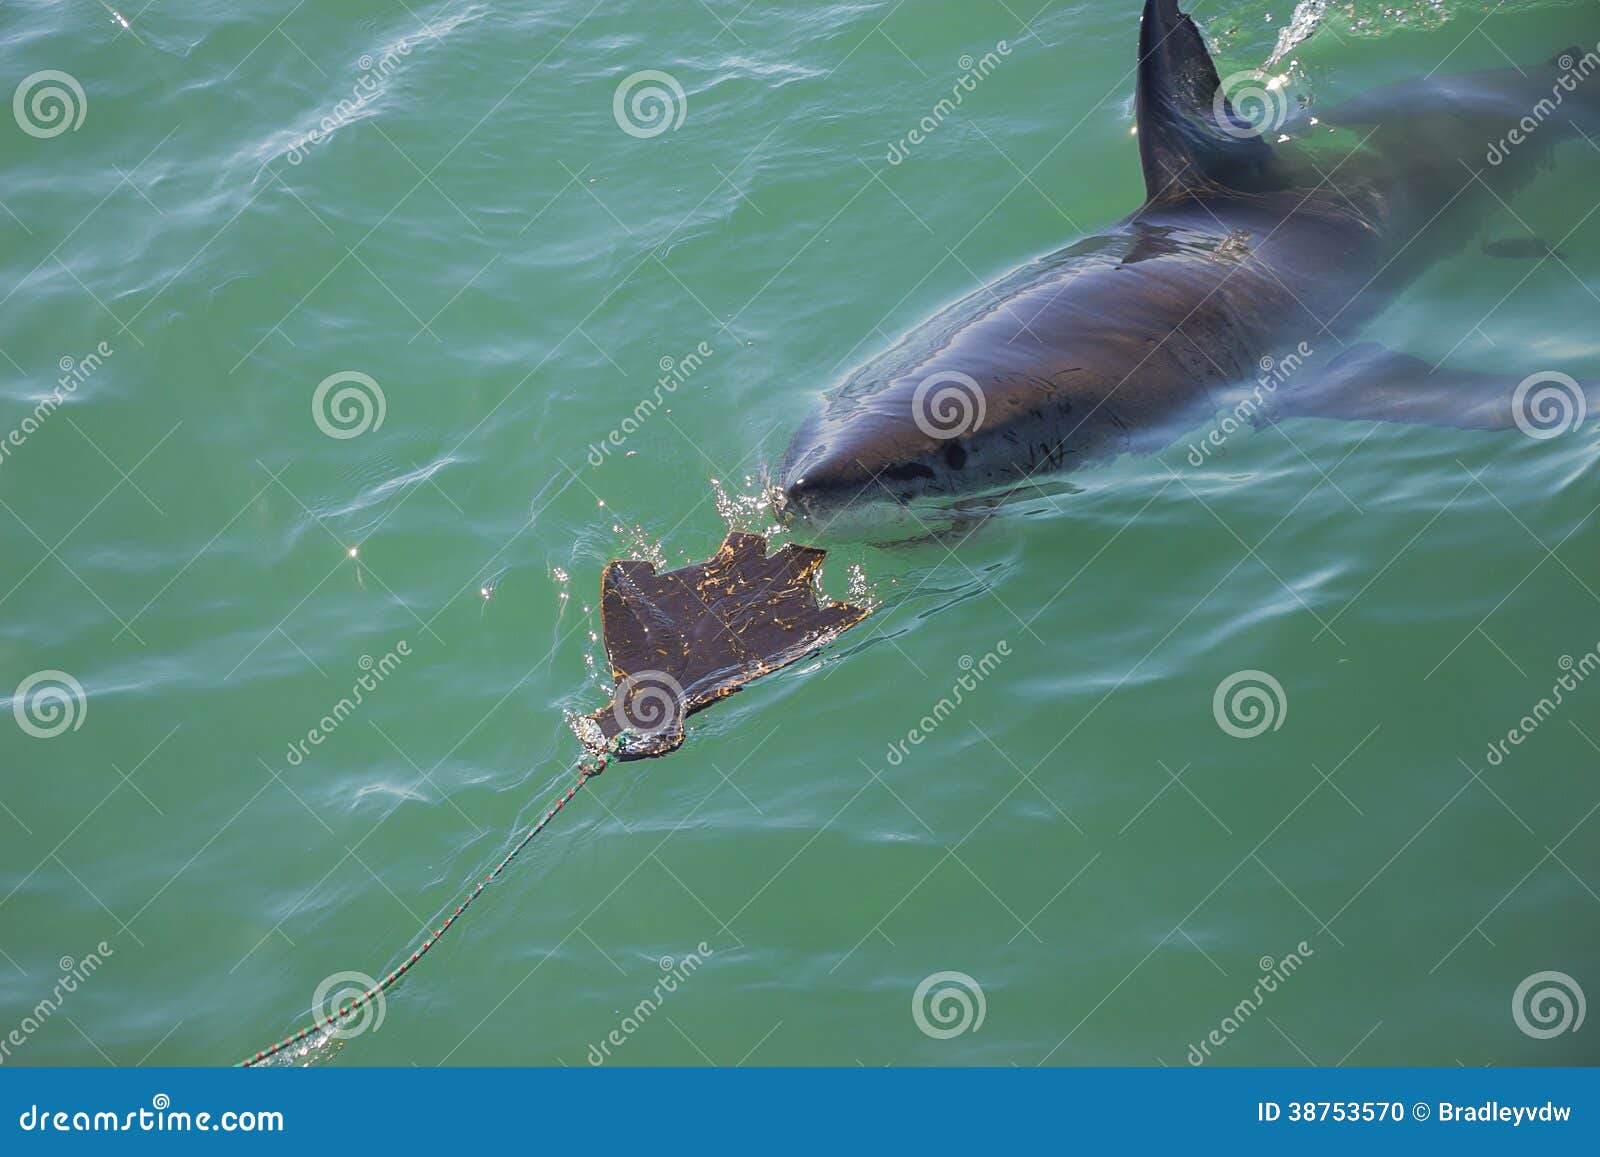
[(1079, 354)]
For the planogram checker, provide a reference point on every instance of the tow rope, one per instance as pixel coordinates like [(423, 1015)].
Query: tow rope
[(585, 774)]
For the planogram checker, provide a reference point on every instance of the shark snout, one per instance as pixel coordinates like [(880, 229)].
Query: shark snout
[(870, 456), (858, 479), (820, 483)]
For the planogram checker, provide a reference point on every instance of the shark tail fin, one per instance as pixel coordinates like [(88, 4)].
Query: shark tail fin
[(1191, 135)]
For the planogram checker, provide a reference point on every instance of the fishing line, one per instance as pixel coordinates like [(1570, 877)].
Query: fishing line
[(585, 773)]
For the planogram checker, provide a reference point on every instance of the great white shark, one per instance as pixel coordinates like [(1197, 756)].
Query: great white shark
[(1246, 253)]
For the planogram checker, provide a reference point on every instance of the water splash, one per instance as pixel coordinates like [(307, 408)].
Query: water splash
[(859, 589), (585, 729), (752, 509), (1306, 20), (638, 545), (1371, 18)]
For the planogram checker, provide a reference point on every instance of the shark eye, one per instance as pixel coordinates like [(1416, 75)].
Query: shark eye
[(954, 456), (906, 471)]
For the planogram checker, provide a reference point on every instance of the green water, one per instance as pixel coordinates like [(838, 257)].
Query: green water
[(482, 239)]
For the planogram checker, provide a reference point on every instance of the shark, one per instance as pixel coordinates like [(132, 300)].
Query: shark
[(1247, 253)]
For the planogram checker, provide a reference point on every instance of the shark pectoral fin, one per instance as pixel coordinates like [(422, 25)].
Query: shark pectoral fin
[(1370, 383), (1190, 136)]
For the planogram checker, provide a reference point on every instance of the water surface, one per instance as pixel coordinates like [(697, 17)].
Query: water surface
[(440, 198)]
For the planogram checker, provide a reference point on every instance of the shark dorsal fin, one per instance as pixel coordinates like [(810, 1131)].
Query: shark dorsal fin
[(1190, 138)]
